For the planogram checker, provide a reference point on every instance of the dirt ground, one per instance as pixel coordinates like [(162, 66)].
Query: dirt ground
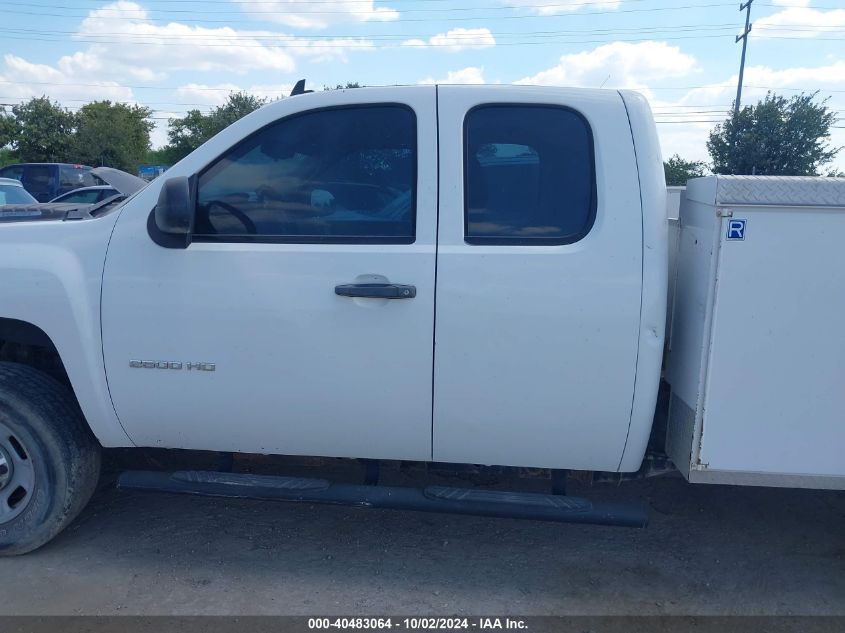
[(709, 550)]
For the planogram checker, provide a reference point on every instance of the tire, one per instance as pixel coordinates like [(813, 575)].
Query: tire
[(49, 459)]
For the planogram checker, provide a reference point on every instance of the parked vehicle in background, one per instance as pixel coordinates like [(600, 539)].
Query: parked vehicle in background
[(12, 192), (77, 203), (151, 172), (46, 181), (87, 195)]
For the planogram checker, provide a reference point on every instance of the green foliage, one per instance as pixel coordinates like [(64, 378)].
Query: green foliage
[(112, 134), (348, 84), (7, 157), (776, 137), (157, 157), (195, 128), (8, 128), (43, 131), (678, 170)]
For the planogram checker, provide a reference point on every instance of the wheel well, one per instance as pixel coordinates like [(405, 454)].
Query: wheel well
[(27, 344)]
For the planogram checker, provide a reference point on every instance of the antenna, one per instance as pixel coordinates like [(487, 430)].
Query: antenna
[(299, 88)]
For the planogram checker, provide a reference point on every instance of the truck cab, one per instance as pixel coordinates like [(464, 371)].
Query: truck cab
[(513, 218), (469, 274)]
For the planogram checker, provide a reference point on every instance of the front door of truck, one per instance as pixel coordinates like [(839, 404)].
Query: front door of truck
[(538, 278), (267, 334)]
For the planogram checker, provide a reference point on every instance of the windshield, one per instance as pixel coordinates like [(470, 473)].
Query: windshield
[(13, 194)]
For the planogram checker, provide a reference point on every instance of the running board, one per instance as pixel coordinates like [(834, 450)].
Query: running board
[(493, 503)]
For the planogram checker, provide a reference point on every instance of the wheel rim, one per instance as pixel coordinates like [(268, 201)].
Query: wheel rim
[(17, 475)]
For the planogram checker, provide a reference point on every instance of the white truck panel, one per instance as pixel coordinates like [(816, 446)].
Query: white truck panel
[(299, 370), (536, 346), (655, 240), (757, 354), (51, 278)]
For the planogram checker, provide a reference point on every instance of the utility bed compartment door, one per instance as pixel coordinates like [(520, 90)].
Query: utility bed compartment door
[(539, 274)]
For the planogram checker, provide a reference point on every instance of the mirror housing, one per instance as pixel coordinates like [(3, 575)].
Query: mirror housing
[(174, 211)]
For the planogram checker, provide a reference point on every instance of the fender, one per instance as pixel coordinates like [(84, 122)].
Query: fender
[(51, 278)]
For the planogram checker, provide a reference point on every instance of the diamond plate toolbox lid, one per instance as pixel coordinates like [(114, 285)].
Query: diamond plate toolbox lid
[(782, 191)]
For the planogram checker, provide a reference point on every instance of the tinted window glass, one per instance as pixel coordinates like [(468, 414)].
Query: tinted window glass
[(72, 177), (12, 194), (342, 175), (15, 171), (529, 175), (39, 181), (89, 196)]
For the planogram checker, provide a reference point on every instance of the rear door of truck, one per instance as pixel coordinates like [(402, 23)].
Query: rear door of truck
[(539, 277)]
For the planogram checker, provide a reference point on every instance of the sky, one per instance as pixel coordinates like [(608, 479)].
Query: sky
[(176, 55)]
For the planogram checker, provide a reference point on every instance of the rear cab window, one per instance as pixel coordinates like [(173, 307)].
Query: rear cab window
[(529, 175), (74, 176)]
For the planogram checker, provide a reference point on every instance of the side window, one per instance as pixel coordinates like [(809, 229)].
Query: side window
[(40, 181), (529, 175), (15, 172), (336, 175)]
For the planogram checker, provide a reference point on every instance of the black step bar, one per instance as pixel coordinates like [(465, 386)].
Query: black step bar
[(492, 503)]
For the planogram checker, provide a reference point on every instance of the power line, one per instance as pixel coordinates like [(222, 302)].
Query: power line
[(390, 36), (401, 20), (259, 35), (367, 45)]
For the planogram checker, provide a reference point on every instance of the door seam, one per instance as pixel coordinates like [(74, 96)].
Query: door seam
[(436, 256)]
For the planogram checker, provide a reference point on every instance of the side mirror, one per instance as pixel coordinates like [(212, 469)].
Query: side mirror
[(174, 212)]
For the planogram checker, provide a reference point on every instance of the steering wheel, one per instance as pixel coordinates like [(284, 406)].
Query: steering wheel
[(242, 217)]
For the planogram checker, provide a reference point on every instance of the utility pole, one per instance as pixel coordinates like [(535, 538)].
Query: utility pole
[(745, 6)]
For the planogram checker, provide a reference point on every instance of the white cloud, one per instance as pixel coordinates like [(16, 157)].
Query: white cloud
[(317, 15), (174, 46), (216, 94), (799, 22), (468, 75), (554, 7), (177, 46), (618, 65), (457, 40), (21, 80), (125, 46)]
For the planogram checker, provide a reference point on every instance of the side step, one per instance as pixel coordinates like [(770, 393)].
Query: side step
[(494, 503)]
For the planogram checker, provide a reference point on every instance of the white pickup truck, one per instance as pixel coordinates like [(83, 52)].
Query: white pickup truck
[(463, 274)]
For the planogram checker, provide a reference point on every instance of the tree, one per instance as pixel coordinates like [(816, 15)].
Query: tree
[(678, 170), (8, 128), (776, 137), (43, 131), (112, 134), (195, 128), (348, 84)]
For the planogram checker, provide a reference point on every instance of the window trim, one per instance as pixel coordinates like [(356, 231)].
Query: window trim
[(530, 241), (314, 239)]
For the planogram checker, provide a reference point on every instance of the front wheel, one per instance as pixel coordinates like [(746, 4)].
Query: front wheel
[(49, 459)]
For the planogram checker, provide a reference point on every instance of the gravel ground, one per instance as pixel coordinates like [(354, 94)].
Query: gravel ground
[(710, 550)]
